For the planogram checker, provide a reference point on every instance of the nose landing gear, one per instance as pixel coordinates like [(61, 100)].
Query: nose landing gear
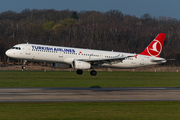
[(24, 63), (23, 67)]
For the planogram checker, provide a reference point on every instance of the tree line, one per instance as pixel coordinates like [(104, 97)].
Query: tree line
[(111, 30)]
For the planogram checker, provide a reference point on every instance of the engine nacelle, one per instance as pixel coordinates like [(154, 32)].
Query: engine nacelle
[(81, 65), (60, 65)]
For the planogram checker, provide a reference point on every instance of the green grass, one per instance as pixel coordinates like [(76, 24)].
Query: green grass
[(91, 111), (103, 79), (166, 110)]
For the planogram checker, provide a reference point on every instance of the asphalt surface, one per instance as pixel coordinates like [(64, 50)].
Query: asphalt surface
[(89, 94)]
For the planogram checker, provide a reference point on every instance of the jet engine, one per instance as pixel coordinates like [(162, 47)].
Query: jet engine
[(81, 65), (61, 65)]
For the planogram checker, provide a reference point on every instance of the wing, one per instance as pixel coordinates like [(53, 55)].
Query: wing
[(97, 61)]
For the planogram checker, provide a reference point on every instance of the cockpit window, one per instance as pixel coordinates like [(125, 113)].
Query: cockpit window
[(17, 48)]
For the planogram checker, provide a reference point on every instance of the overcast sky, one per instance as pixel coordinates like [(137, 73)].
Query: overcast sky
[(168, 8)]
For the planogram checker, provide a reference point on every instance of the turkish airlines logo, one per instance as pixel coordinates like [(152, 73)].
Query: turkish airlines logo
[(154, 49)]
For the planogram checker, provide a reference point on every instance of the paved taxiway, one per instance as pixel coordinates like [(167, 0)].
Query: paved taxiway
[(88, 94)]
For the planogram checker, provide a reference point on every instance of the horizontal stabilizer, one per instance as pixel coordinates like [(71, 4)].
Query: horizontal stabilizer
[(170, 59), (158, 60)]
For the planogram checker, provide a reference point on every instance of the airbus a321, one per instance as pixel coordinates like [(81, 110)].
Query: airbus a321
[(81, 59)]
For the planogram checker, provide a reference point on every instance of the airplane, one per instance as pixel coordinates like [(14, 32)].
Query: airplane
[(82, 59)]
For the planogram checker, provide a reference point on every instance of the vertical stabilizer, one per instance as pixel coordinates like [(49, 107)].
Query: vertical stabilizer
[(155, 47)]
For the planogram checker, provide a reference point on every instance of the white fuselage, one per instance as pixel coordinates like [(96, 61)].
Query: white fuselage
[(57, 54)]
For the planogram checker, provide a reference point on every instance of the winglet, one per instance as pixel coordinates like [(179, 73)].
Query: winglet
[(155, 47)]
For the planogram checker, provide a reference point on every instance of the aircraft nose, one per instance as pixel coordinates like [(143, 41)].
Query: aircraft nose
[(8, 53)]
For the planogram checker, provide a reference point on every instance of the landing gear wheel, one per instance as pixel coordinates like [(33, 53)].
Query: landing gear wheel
[(93, 73), (79, 72), (23, 67)]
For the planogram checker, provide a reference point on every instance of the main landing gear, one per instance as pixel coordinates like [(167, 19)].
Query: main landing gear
[(93, 73), (80, 72)]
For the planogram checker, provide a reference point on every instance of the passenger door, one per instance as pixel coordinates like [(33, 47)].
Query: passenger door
[(28, 49), (141, 61), (61, 54)]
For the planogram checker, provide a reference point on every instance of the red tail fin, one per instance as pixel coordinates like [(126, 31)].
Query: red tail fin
[(155, 47)]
